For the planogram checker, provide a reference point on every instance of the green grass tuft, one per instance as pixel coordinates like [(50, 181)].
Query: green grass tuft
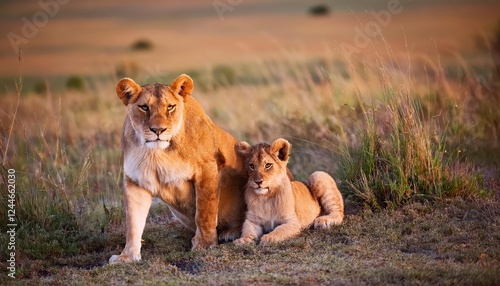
[(402, 159)]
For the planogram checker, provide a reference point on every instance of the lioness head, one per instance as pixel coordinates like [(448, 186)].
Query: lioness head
[(155, 110), (266, 165)]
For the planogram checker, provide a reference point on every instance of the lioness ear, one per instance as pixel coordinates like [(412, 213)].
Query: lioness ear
[(243, 148), (128, 91), (281, 148), (183, 85)]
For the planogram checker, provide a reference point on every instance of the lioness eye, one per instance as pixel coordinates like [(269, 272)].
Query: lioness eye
[(251, 166), (268, 166), (144, 107), (170, 108)]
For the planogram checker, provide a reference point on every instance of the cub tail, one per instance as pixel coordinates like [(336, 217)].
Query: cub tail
[(324, 189)]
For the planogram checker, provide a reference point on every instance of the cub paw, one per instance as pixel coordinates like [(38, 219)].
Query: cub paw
[(243, 241), (268, 239), (326, 221)]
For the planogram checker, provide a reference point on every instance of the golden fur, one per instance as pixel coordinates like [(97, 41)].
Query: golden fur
[(171, 149), (280, 206)]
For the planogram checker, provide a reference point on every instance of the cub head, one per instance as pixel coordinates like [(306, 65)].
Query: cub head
[(266, 165), (156, 110)]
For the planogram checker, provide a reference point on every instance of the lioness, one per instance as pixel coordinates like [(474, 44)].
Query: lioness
[(282, 207), (171, 149)]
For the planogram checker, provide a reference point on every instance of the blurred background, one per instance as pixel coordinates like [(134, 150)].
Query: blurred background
[(150, 38)]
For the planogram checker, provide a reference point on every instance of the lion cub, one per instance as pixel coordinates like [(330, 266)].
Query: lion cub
[(278, 205)]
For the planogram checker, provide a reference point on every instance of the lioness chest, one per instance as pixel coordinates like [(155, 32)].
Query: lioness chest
[(152, 169)]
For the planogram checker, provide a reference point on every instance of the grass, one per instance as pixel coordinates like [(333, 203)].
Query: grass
[(418, 212), (401, 246), (401, 158)]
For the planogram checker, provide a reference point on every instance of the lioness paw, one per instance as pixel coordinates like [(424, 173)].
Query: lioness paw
[(115, 259), (199, 243), (326, 221)]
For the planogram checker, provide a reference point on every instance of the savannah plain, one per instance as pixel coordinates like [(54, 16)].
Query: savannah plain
[(405, 118)]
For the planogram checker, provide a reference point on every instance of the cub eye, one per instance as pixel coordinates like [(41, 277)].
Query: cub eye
[(170, 108), (268, 166), (251, 166), (144, 107)]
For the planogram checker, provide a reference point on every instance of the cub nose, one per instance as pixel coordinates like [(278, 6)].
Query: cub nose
[(157, 131), (258, 182)]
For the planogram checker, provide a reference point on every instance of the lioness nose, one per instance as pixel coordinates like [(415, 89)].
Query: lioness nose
[(258, 182), (157, 131)]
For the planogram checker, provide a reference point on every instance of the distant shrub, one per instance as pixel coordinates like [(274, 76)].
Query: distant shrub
[(40, 87), (142, 45), (75, 83), (319, 10)]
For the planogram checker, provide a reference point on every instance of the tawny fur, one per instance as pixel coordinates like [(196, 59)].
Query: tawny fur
[(278, 206), (171, 149)]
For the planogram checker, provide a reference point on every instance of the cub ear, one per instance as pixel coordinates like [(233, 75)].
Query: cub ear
[(183, 85), (128, 91), (243, 148), (281, 148)]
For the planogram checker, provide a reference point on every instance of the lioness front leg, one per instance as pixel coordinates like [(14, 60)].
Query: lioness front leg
[(281, 232), (206, 212), (137, 203)]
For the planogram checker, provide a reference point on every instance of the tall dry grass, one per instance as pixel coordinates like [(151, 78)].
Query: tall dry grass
[(67, 162)]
